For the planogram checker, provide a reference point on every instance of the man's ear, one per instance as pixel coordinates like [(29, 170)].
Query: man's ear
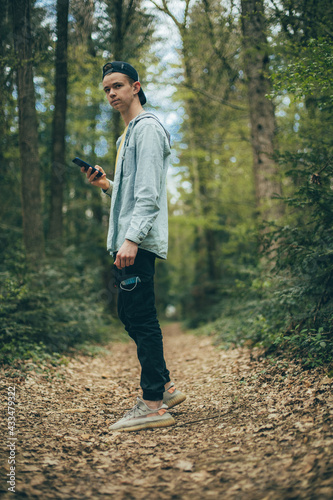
[(136, 87)]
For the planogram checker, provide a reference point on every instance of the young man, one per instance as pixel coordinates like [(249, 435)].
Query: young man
[(138, 233)]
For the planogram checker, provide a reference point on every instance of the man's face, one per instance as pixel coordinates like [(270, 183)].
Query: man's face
[(119, 92)]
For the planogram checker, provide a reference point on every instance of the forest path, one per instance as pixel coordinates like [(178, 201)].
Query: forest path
[(248, 430)]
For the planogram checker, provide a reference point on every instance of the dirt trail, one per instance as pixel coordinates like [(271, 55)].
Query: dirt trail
[(246, 431)]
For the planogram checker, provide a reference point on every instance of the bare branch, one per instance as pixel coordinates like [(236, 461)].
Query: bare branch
[(278, 11), (167, 11), (327, 31), (212, 37), (213, 97), (186, 11), (129, 15)]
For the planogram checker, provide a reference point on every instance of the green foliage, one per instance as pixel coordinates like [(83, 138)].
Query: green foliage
[(304, 258), (211, 222), (314, 347), (285, 305), (289, 310), (58, 307), (309, 74), (303, 242)]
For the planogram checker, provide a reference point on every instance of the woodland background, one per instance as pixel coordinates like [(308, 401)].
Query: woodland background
[(245, 89)]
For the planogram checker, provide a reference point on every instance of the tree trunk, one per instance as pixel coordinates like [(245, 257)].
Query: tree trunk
[(83, 11), (124, 20), (261, 108), (33, 236), (59, 126), (3, 94), (118, 50)]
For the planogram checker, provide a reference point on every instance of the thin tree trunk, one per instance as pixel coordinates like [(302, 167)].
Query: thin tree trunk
[(33, 235), (59, 126), (261, 108), (119, 40), (204, 244)]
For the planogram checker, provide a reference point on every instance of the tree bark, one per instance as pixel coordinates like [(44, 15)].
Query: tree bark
[(204, 242), (83, 11), (59, 126), (33, 235), (130, 29), (117, 14), (261, 108)]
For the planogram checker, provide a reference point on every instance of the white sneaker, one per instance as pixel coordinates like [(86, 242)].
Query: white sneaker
[(142, 417), (173, 397)]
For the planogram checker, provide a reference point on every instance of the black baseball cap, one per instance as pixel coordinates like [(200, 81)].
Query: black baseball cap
[(126, 69)]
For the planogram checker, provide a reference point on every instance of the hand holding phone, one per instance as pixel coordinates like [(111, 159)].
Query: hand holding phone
[(97, 177), (86, 167)]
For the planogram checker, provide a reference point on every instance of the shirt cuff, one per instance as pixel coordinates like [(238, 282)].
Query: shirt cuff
[(109, 189), (135, 236)]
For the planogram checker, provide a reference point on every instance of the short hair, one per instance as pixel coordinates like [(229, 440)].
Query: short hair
[(130, 80)]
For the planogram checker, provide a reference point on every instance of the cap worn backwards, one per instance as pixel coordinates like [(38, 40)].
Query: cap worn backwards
[(126, 69)]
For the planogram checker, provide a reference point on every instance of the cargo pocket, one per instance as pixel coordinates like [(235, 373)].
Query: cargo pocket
[(133, 300)]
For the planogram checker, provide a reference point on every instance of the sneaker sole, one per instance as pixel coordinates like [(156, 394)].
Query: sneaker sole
[(176, 400), (148, 425)]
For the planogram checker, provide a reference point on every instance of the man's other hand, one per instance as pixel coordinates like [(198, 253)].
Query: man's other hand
[(101, 182), (126, 254)]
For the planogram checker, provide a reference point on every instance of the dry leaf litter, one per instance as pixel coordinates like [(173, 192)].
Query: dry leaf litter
[(248, 430)]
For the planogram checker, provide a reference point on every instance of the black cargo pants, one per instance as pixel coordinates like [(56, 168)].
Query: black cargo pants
[(136, 309)]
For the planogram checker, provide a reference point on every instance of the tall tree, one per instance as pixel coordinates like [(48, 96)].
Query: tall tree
[(59, 125), (302, 20), (213, 100), (83, 12), (129, 34), (33, 235), (256, 59), (6, 80), (195, 177), (3, 95)]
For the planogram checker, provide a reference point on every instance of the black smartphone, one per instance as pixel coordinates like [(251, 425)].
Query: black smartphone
[(86, 165)]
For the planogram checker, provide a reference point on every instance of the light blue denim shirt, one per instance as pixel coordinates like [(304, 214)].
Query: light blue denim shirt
[(138, 193)]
